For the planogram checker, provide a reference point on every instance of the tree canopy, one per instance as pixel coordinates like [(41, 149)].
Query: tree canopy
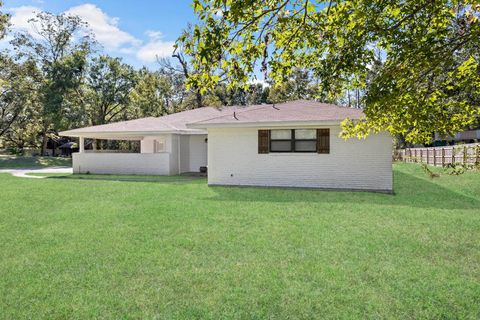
[(416, 61), (57, 78), (3, 21), (59, 51)]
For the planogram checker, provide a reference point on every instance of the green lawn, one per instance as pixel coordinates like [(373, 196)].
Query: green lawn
[(18, 162), (76, 247)]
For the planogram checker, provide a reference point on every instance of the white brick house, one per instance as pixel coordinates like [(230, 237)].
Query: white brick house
[(293, 144)]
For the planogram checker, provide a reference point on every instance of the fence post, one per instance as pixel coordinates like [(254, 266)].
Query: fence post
[(453, 155), (434, 157), (421, 155), (477, 153), (465, 155), (428, 152), (443, 157)]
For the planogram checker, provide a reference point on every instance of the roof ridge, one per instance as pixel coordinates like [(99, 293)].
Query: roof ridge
[(251, 108)]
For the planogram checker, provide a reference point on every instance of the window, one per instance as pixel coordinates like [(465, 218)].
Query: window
[(159, 145), (294, 140)]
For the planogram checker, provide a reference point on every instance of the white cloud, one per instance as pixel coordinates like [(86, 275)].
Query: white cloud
[(156, 47), (152, 34), (20, 17), (105, 28)]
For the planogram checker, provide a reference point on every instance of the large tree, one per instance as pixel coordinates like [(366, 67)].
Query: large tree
[(416, 61), (17, 93), (107, 88), (153, 94), (3, 21), (59, 48)]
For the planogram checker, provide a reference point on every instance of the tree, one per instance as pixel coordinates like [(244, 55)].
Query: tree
[(14, 92), (300, 85), (59, 49), (19, 116), (152, 95), (428, 80), (3, 22), (106, 93)]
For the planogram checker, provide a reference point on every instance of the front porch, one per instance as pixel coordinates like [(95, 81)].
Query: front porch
[(167, 154)]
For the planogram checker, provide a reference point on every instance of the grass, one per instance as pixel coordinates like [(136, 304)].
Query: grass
[(133, 247), (19, 162)]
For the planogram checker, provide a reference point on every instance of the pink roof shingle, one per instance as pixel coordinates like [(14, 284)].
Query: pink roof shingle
[(293, 111), (187, 121)]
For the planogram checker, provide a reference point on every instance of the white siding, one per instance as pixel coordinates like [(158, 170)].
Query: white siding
[(353, 164), (147, 143), (172, 144), (193, 152), (184, 153), (198, 152), (121, 163), (173, 152)]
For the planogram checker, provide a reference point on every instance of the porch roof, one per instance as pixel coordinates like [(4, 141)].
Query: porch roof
[(135, 129)]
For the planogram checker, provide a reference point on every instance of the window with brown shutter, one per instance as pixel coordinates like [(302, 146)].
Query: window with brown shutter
[(323, 140), (263, 141), (294, 140)]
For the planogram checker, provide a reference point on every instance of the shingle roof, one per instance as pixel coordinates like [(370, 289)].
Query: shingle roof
[(293, 111), (170, 123), (188, 121)]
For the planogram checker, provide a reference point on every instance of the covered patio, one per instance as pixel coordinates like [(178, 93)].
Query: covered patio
[(167, 145), (153, 157), (161, 152)]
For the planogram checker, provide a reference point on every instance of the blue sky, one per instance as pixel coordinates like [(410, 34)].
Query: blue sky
[(136, 30)]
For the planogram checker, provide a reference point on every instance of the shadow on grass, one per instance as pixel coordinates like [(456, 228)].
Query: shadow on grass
[(131, 178), (17, 162), (409, 190)]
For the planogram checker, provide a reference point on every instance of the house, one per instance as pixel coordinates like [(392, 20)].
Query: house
[(467, 136), (292, 144)]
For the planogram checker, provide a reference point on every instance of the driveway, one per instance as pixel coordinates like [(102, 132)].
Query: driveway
[(22, 173)]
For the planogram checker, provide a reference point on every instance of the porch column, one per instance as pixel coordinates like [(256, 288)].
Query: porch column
[(81, 144)]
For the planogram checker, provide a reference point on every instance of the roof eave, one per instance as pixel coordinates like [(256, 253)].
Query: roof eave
[(106, 134)]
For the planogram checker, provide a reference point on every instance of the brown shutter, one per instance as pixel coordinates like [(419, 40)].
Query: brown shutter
[(263, 141), (323, 140)]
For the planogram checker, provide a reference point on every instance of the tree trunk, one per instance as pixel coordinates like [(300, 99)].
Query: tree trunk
[(43, 151), (199, 99), (186, 73)]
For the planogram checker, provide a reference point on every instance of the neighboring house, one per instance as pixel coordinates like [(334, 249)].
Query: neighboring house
[(467, 136), (293, 144)]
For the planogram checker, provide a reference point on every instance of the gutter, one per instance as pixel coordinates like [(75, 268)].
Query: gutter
[(134, 134)]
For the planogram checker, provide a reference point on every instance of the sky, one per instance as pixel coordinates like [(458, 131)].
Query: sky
[(135, 30)]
